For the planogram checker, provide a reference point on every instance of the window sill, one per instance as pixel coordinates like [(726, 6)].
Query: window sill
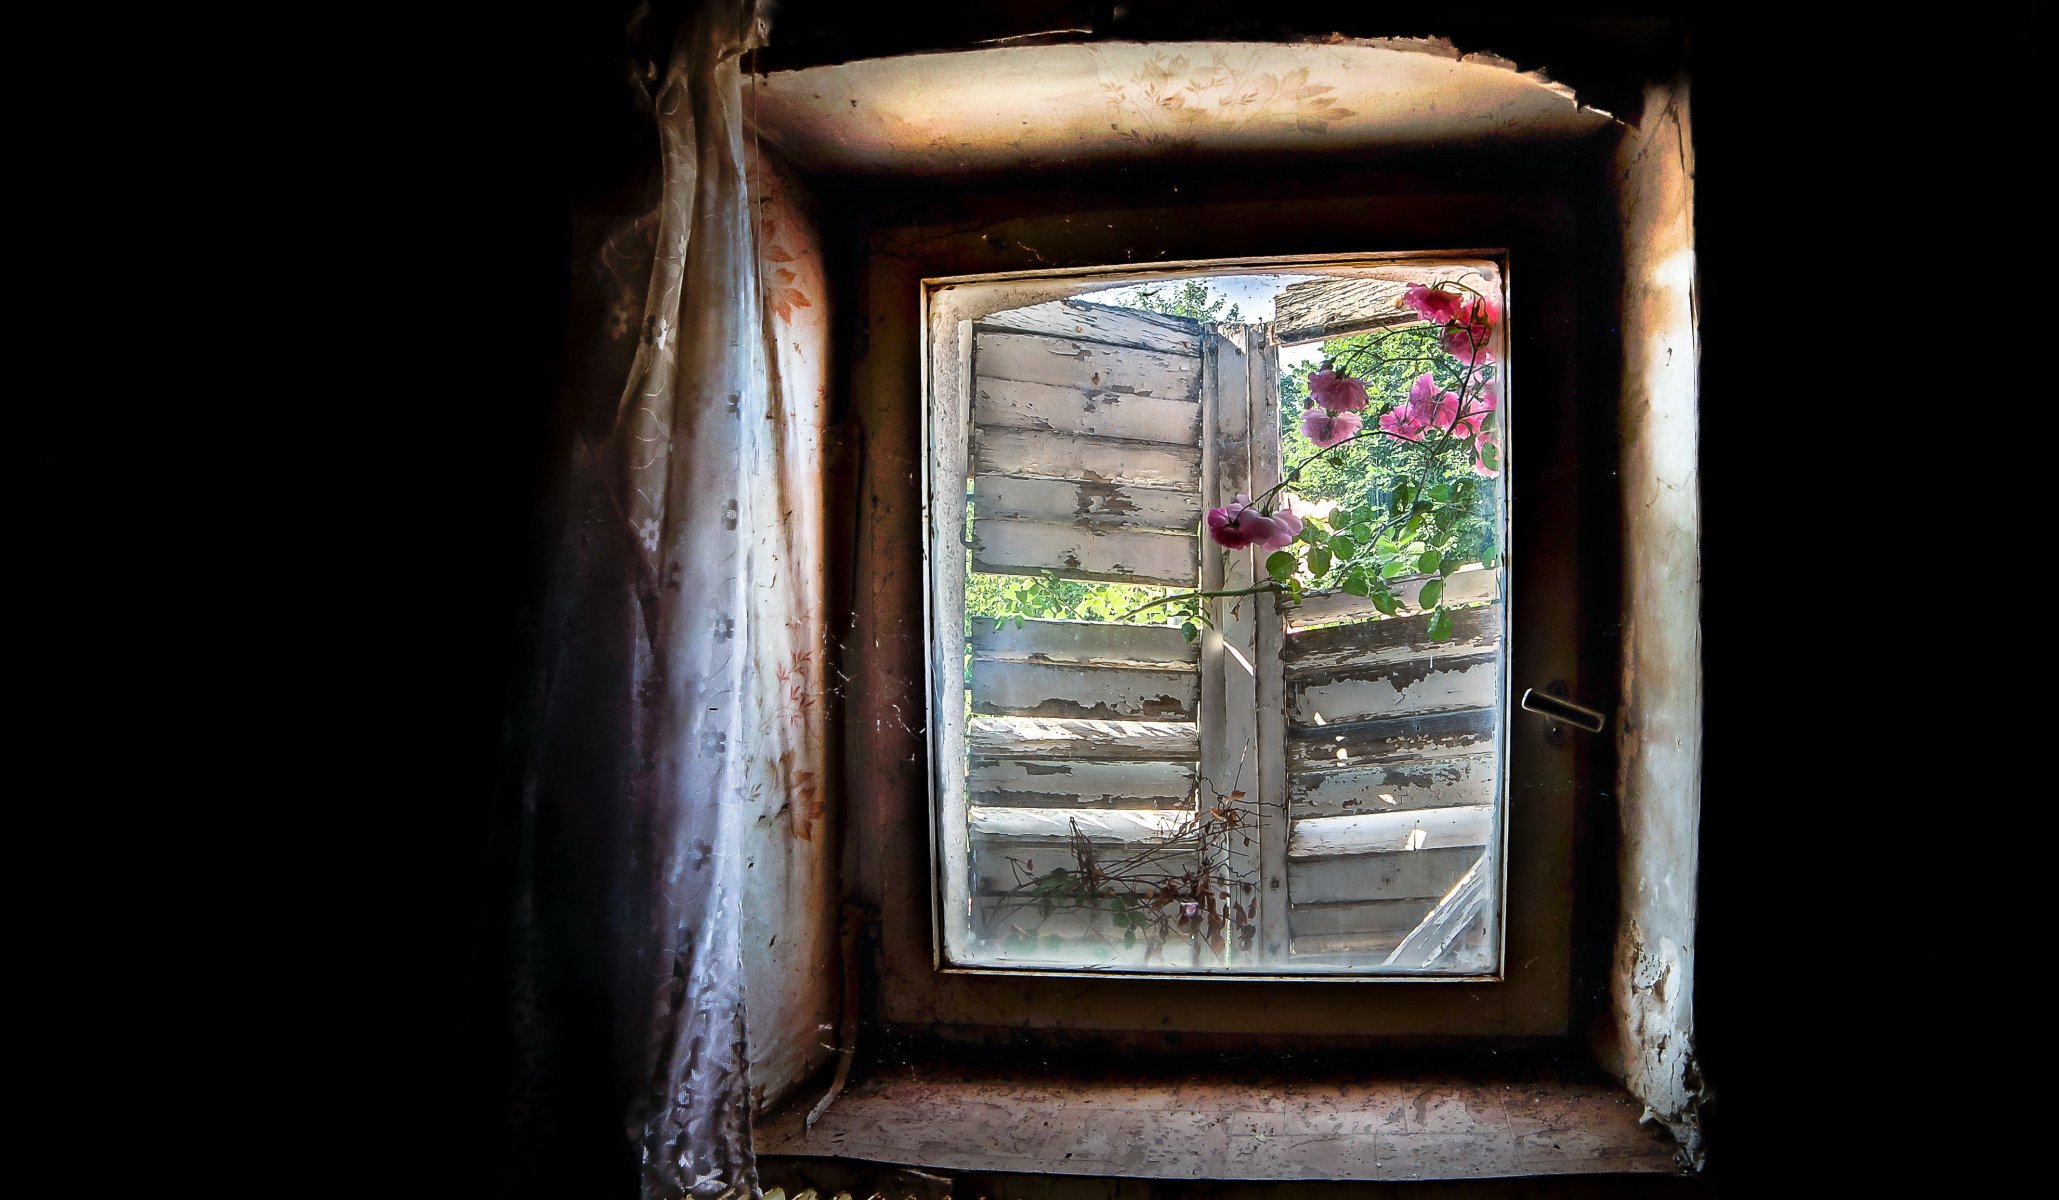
[(1250, 1128)]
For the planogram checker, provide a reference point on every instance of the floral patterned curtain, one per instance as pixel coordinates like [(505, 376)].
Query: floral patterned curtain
[(674, 714)]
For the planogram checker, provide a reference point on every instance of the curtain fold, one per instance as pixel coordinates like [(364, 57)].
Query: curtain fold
[(673, 707)]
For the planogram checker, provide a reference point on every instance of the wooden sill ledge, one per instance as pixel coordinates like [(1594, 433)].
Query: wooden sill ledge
[(1253, 1128)]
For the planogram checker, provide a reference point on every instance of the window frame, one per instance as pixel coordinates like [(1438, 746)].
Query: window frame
[(951, 307), (897, 851)]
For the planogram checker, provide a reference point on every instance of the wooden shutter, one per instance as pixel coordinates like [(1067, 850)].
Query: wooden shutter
[(1389, 743), (1390, 758), (1085, 460)]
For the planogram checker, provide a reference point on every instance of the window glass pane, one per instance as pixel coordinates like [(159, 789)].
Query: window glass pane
[(1303, 775)]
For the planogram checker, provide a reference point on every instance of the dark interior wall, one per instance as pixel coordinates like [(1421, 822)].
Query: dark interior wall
[(567, 150)]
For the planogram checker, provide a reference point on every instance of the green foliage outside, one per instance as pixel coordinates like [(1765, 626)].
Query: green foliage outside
[(1015, 597), (1367, 477), (1187, 298)]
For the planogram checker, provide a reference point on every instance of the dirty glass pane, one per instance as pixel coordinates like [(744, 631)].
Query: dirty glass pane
[(1232, 626)]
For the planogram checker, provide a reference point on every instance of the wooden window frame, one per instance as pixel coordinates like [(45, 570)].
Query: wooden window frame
[(1531, 1001)]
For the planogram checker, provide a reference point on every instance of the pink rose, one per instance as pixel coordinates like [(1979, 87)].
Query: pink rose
[(1237, 524), (1467, 336), (1434, 303), (1396, 422), (1286, 527), (1475, 414), (1338, 393), (1427, 408), (1326, 428)]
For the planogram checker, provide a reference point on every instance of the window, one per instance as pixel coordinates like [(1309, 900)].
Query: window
[(1133, 778), (910, 257), (1003, 164)]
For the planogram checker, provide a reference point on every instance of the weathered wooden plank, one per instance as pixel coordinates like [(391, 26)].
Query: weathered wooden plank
[(1340, 945), (1077, 934), (1002, 917), (1393, 689), (1001, 865), (1421, 874), (1394, 787), (1362, 743), (1060, 824), (1459, 911), (1086, 321), (1081, 741), (1035, 783), (1396, 639), (1231, 758), (1018, 932), (1326, 308), (1041, 455), (1268, 873), (1101, 642), (1024, 689), (1013, 404), (1467, 585), (1088, 503), (1121, 555), (1392, 832), (1068, 362), (950, 438), (1396, 917)]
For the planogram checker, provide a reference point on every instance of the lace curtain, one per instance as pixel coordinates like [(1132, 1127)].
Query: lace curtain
[(675, 735)]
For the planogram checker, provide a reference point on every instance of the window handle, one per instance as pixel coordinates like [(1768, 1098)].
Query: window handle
[(1558, 708)]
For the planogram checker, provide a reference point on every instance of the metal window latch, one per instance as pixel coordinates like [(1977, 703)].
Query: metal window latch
[(1552, 703)]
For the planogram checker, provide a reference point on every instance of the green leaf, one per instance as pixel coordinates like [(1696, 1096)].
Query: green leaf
[(1344, 547), (1433, 592), (1409, 530), (1386, 603), (1450, 564), (1393, 568), (1319, 560), (1440, 625), (1362, 533), (1429, 562), (1190, 629), (1356, 584), (1441, 491), (1281, 565), (1490, 558)]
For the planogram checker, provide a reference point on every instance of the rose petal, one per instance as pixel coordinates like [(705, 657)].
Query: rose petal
[(1433, 303)]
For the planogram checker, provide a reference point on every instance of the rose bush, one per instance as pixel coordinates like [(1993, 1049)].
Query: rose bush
[(1447, 411)]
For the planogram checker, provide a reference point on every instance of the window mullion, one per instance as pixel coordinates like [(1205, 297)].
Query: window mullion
[(1227, 718), (1267, 802)]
